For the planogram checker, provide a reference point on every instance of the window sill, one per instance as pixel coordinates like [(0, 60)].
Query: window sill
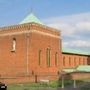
[(13, 51)]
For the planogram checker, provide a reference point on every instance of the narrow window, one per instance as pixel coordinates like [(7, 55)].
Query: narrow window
[(48, 57), (39, 57), (74, 61), (56, 58), (63, 61), (70, 61), (83, 61), (79, 60), (14, 45)]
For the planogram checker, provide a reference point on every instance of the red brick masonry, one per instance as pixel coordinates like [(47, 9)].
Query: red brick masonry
[(38, 52)]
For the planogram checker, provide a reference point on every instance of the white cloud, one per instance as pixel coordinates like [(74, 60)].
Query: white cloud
[(83, 26), (64, 27), (77, 43), (70, 24), (75, 26)]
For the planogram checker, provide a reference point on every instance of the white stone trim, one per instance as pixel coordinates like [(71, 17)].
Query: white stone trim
[(29, 31)]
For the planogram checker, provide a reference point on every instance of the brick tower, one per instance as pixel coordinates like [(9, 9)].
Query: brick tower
[(29, 48)]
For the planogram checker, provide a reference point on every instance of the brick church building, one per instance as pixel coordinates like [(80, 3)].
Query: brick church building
[(31, 48)]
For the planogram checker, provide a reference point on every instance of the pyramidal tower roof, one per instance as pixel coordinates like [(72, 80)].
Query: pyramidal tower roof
[(31, 18)]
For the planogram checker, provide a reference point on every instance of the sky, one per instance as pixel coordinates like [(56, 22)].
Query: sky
[(71, 17)]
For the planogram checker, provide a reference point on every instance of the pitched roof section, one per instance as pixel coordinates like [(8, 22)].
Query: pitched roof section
[(31, 18), (73, 51)]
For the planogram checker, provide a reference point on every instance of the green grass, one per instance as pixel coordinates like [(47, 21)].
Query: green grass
[(37, 86), (54, 84)]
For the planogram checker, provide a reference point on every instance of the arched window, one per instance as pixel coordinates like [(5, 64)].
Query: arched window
[(74, 61), (83, 61), (48, 56), (64, 61), (14, 44), (79, 60), (39, 57), (56, 59), (70, 61)]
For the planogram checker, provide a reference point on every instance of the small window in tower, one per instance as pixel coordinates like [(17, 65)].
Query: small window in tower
[(63, 61), (14, 45), (39, 57), (48, 56), (56, 58)]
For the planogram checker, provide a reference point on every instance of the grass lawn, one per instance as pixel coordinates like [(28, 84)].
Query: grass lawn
[(38, 86)]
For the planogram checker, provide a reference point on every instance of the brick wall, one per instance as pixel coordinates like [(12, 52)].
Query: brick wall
[(72, 60)]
